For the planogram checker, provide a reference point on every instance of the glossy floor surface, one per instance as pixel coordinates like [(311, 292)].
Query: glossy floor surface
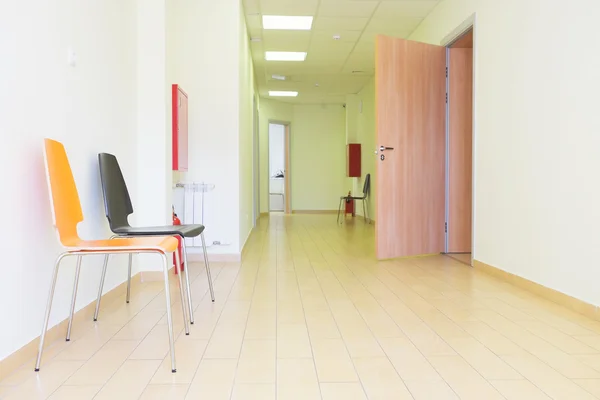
[(309, 314)]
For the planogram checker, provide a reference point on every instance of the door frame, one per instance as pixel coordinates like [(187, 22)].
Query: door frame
[(469, 24), (287, 179), (255, 162)]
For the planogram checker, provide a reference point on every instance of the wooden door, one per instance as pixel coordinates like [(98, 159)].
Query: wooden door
[(410, 81), (460, 137)]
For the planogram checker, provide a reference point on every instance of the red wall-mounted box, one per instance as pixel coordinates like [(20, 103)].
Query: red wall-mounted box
[(353, 160), (180, 129)]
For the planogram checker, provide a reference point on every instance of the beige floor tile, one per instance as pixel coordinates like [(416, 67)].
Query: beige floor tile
[(591, 385), (188, 354), (155, 345), (43, 383), (408, 360), (256, 370), (463, 379), (489, 365), (85, 347), (437, 390), (98, 369), (254, 391), (379, 379), (307, 391), (552, 383), (332, 361), (130, 380), (296, 371), (345, 391), (259, 348), (363, 347), (75, 392), (519, 390), (165, 392), (562, 341), (212, 391)]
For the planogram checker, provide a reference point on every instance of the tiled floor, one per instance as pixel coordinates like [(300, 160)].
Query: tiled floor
[(309, 314)]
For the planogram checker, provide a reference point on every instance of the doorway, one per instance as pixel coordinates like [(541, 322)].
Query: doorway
[(279, 187), (459, 148)]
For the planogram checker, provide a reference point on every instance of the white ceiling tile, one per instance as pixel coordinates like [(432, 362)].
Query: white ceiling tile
[(344, 8), (326, 36), (286, 40), (289, 7), (397, 24), (407, 8), (340, 23)]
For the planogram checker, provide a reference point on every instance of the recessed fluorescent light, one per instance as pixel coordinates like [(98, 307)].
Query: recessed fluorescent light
[(277, 93), (287, 22), (285, 56), (278, 77)]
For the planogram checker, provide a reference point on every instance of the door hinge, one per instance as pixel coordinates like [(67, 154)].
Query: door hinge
[(446, 72), (446, 227), (446, 97)]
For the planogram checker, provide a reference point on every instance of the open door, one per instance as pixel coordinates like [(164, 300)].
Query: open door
[(410, 82)]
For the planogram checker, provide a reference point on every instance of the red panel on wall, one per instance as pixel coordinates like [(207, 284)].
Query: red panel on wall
[(353, 160), (180, 129)]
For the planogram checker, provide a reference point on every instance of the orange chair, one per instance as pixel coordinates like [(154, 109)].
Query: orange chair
[(67, 213)]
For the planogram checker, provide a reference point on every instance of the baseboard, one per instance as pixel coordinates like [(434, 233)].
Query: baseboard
[(28, 353), (314, 212), (572, 303)]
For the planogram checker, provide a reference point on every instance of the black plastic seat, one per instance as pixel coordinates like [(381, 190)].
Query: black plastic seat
[(118, 207), (366, 189)]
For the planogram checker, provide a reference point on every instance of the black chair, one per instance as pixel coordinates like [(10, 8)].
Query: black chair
[(118, 207), (366, 189)]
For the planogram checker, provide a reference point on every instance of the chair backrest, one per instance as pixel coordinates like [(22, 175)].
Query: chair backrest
[(117, 203), (66, 206), (367, 185)]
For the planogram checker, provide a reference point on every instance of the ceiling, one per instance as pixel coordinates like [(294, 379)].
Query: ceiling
[(338, 67)]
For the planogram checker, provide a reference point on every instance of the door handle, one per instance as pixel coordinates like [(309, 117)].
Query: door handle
[(383, 148)]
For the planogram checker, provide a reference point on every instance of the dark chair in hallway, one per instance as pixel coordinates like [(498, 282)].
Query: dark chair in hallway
[(366, 189), (118, 207)]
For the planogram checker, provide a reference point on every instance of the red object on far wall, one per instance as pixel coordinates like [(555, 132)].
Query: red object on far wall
[(180, 129), (353, 160)]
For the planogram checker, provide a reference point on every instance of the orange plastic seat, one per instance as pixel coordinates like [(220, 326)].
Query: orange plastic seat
[(67, 214)]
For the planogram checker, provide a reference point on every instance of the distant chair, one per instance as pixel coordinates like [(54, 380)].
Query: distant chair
[(366, 189)]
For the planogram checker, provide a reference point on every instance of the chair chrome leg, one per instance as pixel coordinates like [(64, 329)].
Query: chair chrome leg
[(102, 277), (339, 210), (210, 282), (364, 211), (129, 278), (186, 269), (74, 297), (48, 308), (169, 318), (181, 292)]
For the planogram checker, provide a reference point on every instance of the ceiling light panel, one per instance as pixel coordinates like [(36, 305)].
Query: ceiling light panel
[(285, 55), (280, 93), (286, 22)]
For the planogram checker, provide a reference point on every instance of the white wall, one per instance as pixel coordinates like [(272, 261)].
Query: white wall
[(537, 136), (208, 69), (246, 135), (318, 157), (91, 108)]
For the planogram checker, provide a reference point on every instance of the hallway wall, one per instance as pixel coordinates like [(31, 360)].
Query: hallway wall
[(318, 153), (537, 136), (91, 108)]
